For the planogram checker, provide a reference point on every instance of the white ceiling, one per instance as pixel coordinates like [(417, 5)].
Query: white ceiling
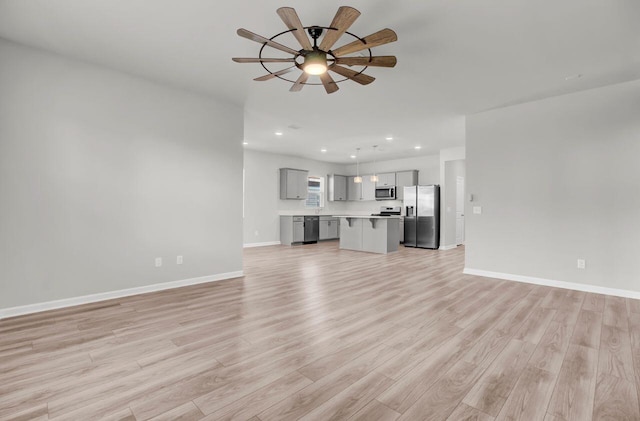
[(455, 57)]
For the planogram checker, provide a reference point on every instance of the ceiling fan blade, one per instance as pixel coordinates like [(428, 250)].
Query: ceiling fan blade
[(329, 84), (344, 18), (382, 37), (361, 78), (291, 19), (297, 87), (263, 60), (380, 61), (262, 40), (274, 74)]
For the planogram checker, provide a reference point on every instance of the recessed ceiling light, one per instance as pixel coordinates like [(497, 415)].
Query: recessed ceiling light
[(278, 133), (388, 138), (245, 143), (417, 147), (577, 76), (353, 157), (323, 150)]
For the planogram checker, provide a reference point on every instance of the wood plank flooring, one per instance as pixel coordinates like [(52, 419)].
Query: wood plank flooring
[(317, 333)]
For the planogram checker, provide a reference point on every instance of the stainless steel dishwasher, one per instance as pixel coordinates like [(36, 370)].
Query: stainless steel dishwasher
[(311, 229)]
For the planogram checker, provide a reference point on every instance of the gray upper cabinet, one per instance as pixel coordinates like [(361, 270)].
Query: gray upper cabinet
[(368, 188), (404, 179), (386, 179), (337, 190), (361, 191), (354, 190), (293, 183)]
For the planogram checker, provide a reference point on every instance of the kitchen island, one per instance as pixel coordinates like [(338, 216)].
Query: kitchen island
[(374, 234)]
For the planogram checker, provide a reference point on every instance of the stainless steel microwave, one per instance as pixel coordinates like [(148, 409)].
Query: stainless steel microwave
[(386, 193)]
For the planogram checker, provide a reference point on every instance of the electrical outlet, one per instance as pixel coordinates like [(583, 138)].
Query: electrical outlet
[(179, 260), (256, 233), (477, 210), (158, 262), (582, 264)]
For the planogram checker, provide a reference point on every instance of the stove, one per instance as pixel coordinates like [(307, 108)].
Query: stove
[(388, 211)]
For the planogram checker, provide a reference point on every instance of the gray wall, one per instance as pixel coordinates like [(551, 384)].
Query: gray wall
[(558, 179), (101, 172)]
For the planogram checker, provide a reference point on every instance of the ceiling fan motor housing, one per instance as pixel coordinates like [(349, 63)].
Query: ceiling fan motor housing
[(315, 32)]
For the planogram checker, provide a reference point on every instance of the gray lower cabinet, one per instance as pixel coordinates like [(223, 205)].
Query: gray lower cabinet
[(291, 230), (329, 228), (298, 229), (293, 184)]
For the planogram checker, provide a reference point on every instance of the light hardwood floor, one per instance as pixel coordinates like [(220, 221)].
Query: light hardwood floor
[(316, 333)]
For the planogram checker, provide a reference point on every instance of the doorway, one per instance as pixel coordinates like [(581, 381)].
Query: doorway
[(453, 207)]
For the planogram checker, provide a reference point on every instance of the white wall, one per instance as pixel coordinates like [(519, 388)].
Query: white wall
[(558, 179), (262, 205), (101, 172)]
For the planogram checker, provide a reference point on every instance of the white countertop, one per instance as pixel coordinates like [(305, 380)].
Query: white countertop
[(304, 213)]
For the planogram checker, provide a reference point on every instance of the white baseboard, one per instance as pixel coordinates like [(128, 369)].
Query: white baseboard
[(557, 284), (448, 247), (268, 243), (86, 299)]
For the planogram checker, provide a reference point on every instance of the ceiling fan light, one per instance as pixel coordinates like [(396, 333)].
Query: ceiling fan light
[(357, 179), (315, 63)]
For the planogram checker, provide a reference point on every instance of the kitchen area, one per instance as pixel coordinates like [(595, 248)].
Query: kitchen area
[(409, 213)]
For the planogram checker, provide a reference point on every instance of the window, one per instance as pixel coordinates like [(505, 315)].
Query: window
[(315, 192)]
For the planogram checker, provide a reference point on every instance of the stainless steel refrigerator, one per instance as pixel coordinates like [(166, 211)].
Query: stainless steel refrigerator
[(422, 216)]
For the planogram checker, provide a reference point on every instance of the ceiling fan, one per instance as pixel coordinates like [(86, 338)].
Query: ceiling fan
[(314, 59)]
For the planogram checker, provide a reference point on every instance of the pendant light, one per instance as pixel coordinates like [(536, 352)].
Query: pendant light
[(374, 177), (357, 178)]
